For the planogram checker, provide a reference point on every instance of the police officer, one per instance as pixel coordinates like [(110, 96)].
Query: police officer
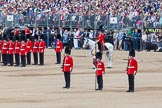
[(100, 69), (131, 70), (67, 67), (42, 46), (58, 49)]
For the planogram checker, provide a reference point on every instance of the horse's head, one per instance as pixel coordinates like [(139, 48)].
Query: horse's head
[(85, 44)]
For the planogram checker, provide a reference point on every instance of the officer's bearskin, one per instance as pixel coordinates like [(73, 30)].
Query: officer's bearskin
[(100, 28)]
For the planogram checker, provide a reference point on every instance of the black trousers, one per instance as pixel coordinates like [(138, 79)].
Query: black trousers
[(5, 59), (100, 48), (131, 82), (23, 60), (41, 58), (17, 59), (28, 58), (10, 59), (100, 82), (67, 79), (35, 55), (58, 57), (0, 56)]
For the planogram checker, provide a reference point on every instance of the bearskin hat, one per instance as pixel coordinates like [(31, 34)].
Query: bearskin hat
[(58, 36), (41, 36), (36, 37), (22, 38), (100, 28), (132, 52), (67, 50), (17, 37), (99, 55), (28, 36), (11, 38)]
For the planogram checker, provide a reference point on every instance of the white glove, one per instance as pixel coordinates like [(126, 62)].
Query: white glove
[(71, 69)]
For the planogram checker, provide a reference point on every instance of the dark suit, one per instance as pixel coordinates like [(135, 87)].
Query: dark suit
[(95, 34)]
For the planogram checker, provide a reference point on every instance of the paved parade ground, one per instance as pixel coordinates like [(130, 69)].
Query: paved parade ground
[(41, 86)]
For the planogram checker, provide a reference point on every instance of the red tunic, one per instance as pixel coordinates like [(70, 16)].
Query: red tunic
[(35, 47), (11, 48), (16, 32), (132, 66), (28, 46), (1, 44), (67, 64), (59, 46), (5, 48), (100, 68), (41, 46), (101, 39), (27, 31), (23, 49), (17, 47)]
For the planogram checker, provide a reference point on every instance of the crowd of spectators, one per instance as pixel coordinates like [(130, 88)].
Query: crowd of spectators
[(88, 13), (130, 13)]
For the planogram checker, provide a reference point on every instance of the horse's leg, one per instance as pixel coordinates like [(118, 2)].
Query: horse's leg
[(94, 58), (109, 57)]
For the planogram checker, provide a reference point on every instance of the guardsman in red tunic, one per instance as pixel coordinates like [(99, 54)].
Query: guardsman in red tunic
[(131, 70), (28, 50), (67, 67), (5, 52), (1, 43), (23, 52), (100, 69), (35, 50), (17, 51), (100, 40), (58, 49), (27, 32), (16, 33), (10, 52), (42, 46)]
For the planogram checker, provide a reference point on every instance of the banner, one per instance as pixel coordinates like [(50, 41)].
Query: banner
[(9, 17), (153, 30), (113, 20)]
